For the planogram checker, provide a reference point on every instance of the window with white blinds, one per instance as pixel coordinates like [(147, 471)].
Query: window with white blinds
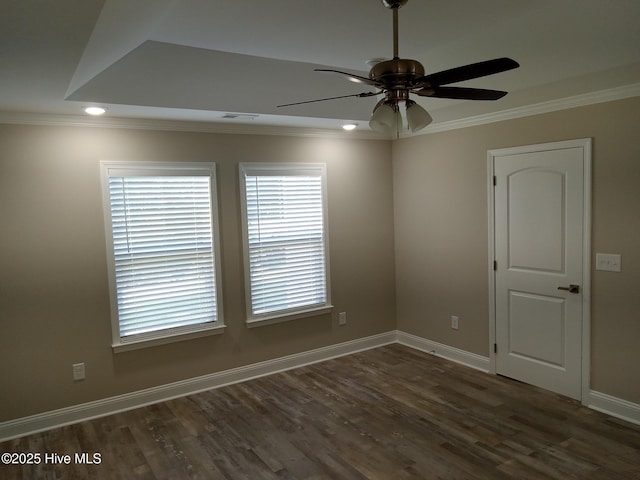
[(162, 232), (285, 239)]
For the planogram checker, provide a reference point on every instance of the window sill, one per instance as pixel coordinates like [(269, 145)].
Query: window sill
[(286, 317), (141, 342)]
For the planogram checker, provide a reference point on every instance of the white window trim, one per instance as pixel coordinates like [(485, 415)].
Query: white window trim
[(247, 168), (111, 168)]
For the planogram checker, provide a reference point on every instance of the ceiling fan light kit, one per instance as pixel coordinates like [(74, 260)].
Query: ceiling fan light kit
[(386, 117), (399, 77), (417, 117)]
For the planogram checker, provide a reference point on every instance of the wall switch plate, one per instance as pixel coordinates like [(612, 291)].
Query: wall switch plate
[(78, 371), (342, 318), (454, 322), (609, 262)]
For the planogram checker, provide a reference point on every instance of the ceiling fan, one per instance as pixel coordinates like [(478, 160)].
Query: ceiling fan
[(399, 77)]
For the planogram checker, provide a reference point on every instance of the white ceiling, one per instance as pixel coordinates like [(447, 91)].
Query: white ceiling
[(203, 59)]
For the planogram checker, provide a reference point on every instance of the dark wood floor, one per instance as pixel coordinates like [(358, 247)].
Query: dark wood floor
[(387, 413)]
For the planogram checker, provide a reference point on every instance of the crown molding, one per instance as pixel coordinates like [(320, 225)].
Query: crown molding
[(62, 120), (48, 119), (601, 96)]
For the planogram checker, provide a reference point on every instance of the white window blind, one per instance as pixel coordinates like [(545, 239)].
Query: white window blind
[(285, 244), (164, 250)]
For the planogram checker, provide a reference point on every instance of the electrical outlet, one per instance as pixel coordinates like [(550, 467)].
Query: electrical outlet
[(454, 322), (78, 371), (342, 318)]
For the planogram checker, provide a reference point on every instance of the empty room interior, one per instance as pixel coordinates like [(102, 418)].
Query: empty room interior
[(213, 278)]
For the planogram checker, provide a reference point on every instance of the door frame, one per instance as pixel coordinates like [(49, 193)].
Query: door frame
[(585, 144)]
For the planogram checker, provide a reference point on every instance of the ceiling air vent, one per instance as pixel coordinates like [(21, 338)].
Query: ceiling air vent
[(246, 116)]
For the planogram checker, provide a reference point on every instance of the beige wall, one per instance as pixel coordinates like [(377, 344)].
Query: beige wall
[(54, 308), (54, 305), (440, 204)]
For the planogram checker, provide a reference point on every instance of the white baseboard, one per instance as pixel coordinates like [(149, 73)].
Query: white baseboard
[(444, 351), (65, 416), (616, 407), (99, 408)]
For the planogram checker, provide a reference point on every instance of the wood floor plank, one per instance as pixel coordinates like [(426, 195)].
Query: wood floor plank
[(387, 413)]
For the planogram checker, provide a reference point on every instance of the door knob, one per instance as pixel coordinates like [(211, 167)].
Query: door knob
[(571, 288)]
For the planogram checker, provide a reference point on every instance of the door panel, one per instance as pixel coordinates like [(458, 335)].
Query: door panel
[(536, 234), (538, 203), (536, 327)]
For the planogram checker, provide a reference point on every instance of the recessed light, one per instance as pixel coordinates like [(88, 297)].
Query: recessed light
[(95, 110), (349, 126)]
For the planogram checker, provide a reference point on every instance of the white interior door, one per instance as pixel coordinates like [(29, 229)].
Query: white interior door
[(539, 277)]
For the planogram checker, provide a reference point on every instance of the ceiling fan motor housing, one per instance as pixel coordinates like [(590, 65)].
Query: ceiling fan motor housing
[(397, 73)]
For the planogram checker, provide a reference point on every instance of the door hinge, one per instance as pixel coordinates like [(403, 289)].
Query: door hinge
[(495, 180), (495, 265), (495, 348)]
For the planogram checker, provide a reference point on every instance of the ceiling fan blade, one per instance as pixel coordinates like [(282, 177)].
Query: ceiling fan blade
[(461, 93), (364, 94), (351, 77), (468, 72)]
